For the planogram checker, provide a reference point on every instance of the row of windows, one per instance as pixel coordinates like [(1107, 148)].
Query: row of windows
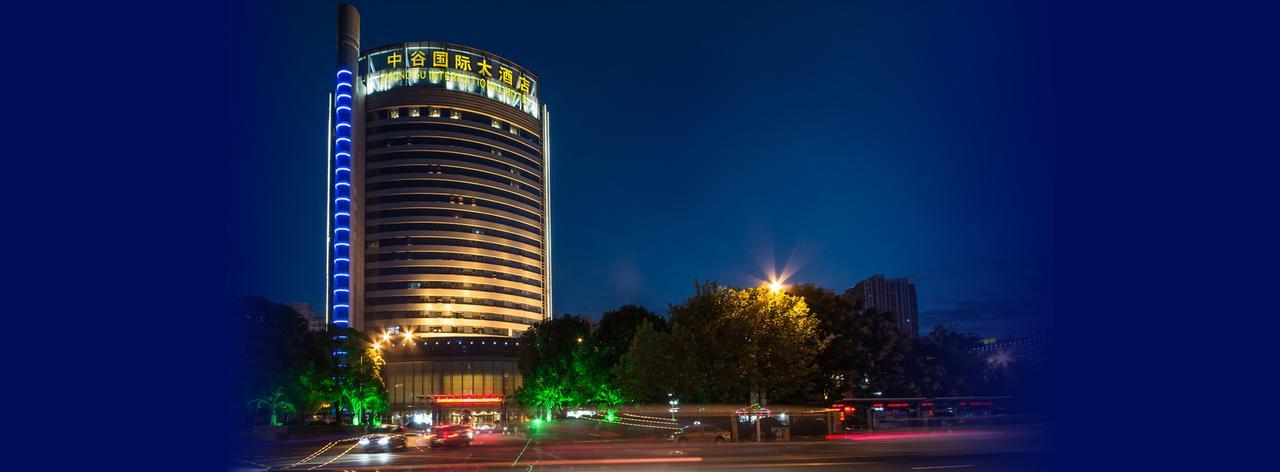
[(439, 169), (455, 199), (449, 256), (447, 241), (385, 145), (452, 271), (466, 129), (386, 228), (416, 285), (443, 213), (453, 114), (450, 156), (390, 315), (434, 183), (459, 329), (376, 301)]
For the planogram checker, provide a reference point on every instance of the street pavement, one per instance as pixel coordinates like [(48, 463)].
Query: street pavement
[(994, 448)]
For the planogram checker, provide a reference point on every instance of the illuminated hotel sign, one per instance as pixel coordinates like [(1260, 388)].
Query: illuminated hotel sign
[(436, 65)]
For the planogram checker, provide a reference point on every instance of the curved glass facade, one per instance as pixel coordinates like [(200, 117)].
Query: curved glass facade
[(451, 194)]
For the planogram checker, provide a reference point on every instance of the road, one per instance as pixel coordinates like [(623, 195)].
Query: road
[(1009, 448)]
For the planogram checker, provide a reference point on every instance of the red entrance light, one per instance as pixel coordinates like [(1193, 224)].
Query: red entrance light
[(467, 399)]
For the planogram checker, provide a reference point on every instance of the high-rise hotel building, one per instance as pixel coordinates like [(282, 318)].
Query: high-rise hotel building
[(894, 296), (439, 212)]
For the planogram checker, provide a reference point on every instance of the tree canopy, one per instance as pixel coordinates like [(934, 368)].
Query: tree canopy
[(281, 367)]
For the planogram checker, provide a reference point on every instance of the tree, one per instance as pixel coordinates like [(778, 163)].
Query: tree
[(271, 348), (644, 373), (357, 374), (837, 325), (558, 364), (879, 355), (943, 366), (543, 393), (617, 327), (782, 342), (742, 344), (275, 402)]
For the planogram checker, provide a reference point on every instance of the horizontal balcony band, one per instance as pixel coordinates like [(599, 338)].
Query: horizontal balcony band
[(452, 206), (450, 163), (452, 221), (453, 250), (524, 161), (471, 279), (473, 293), (455, 322), (489, 132), (388, 179), (456, 264), (380, 235), (452, 191)]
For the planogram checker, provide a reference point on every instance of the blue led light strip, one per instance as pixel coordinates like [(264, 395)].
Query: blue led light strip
[(340, 303)]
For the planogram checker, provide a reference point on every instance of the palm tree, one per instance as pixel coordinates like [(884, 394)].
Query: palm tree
[(274, 401), (608, 396)]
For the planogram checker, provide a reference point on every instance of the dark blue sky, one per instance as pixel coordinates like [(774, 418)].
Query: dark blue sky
[(713, 142)]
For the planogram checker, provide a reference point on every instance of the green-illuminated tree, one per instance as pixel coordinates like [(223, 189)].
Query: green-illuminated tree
[(314, 387), (357, 374), (271, 348), (274, 402), (543, 392), (555, 366)]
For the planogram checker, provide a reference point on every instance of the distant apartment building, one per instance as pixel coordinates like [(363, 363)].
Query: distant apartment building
[(314, 323), (895, 296)]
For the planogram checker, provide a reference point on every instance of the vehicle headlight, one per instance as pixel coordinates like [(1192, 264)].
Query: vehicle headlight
[(384, 440), (364, 441)]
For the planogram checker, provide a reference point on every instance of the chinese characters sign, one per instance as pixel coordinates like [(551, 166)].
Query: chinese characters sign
[(433, 64)]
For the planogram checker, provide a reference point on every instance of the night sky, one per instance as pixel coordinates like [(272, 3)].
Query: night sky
[(828, 141)]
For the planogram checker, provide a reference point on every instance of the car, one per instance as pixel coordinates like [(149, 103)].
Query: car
[(701, 432), (450, 435), (385, 438)]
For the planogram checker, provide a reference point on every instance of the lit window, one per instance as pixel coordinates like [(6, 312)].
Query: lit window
[(497, 124), (515, 131), (433, 112), (455, 114), (415, 112), (395, 113), (415, 284)]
